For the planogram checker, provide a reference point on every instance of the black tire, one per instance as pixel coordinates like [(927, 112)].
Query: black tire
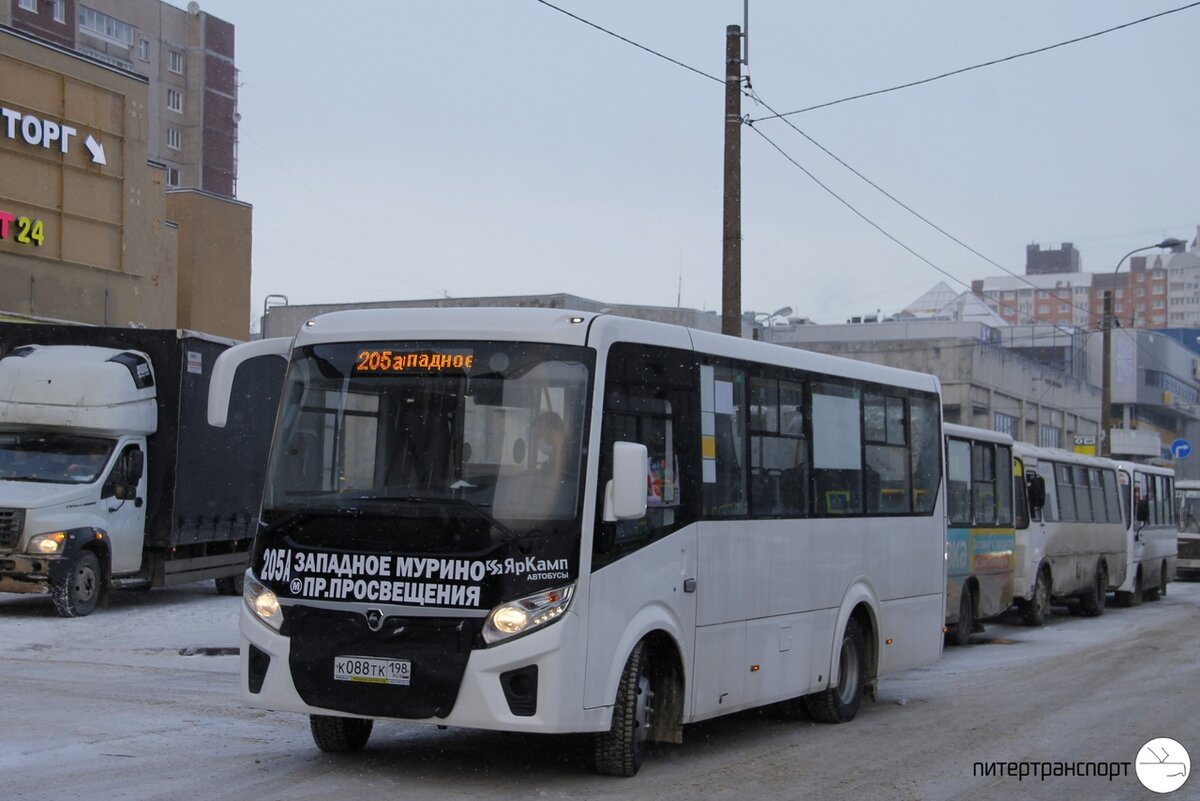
[(1166, 579), (336, 735), (840, 703), (1155, 593), (1091, 603), (77, 593), (230, 585), (1037, 609), (620, 750), (961, 633), (1133, 598)]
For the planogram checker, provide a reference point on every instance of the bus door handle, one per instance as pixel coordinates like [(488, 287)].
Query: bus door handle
[(689, 585)]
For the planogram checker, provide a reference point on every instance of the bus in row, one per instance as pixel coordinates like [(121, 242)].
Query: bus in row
[(539, 520), (1035, 526), (548, 521), (980, 528), (1187, 504)]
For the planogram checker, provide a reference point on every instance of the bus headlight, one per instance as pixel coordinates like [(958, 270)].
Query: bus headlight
[(261, 602), (526, 614), (47, 544)]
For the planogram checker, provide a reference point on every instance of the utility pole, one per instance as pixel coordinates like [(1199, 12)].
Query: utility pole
[(1106, 423), (731, 253)]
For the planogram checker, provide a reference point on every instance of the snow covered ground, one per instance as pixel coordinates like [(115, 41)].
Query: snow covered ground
[(139, 701)]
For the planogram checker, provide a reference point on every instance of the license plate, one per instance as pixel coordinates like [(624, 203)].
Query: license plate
[(372, 670)]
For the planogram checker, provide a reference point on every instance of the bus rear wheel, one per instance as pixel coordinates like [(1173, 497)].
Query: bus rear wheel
[(840, 702), (336, 735), (1091, 603)]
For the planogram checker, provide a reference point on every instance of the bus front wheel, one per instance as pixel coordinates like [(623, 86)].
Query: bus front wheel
[(337, 735), (1037, 608), (619, 751), (840, 702), (960, 634), (1091, 603)]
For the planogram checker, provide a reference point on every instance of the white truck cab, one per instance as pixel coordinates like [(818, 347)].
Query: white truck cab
[(73, 427)]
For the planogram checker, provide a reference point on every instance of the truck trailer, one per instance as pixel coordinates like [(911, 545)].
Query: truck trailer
[(110, 476)]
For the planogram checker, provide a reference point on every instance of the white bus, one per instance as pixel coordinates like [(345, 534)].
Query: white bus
[(980, 538), (1187, 495), (548, 521), (1151, 531), (1071, 543)]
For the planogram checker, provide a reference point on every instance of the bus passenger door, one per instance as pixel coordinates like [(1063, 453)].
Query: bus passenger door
[(644, 570)]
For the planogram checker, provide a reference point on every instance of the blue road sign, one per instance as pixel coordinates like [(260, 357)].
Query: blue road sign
[(1181, 449)]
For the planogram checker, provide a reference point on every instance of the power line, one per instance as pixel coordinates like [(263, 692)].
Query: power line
[(754, 96), (635, 44), (749, 92), (991, 63)]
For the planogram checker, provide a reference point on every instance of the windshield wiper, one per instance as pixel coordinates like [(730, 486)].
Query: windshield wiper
[(474, 507)]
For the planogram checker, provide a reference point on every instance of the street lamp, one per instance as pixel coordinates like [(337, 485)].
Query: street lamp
[(1106, 420), (767, 318)]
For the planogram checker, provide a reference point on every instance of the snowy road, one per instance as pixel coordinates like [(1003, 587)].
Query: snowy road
[(138, 701)]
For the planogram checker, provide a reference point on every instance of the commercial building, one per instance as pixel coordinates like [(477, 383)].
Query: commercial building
[(1157, 290), (92, 228)]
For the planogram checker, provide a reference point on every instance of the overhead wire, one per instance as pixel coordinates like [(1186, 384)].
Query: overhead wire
[(992, 63), (749, 92)]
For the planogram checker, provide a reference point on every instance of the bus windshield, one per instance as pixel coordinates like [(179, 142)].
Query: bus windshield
[(1189, 510), (469, 443)]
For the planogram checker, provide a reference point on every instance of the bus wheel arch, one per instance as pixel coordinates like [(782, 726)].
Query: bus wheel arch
[(648, 706)]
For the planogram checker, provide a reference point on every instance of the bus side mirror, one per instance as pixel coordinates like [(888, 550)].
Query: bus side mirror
[(1037, 491), (1143, 510), (625, 493)]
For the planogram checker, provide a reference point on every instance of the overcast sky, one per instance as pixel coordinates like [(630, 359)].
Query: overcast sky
[(403, 150)]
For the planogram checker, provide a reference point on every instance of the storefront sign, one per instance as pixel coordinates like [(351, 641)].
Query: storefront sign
[(22, 230), (46, 133)]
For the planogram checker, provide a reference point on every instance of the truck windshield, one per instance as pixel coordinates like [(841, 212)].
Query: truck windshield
[(52, 458), (468, 443)]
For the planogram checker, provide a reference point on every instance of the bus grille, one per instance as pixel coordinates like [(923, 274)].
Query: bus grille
[(11, 521), (1189, 549), (438, 649)]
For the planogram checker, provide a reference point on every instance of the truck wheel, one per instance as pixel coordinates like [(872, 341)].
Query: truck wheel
[(1091, 603), (1037, 608), (336, 735), (76, 594), (230, 585), (839, 703), (619, 751)]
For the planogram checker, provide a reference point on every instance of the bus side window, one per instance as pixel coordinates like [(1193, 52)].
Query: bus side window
[(723, 421), (837, 449)]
